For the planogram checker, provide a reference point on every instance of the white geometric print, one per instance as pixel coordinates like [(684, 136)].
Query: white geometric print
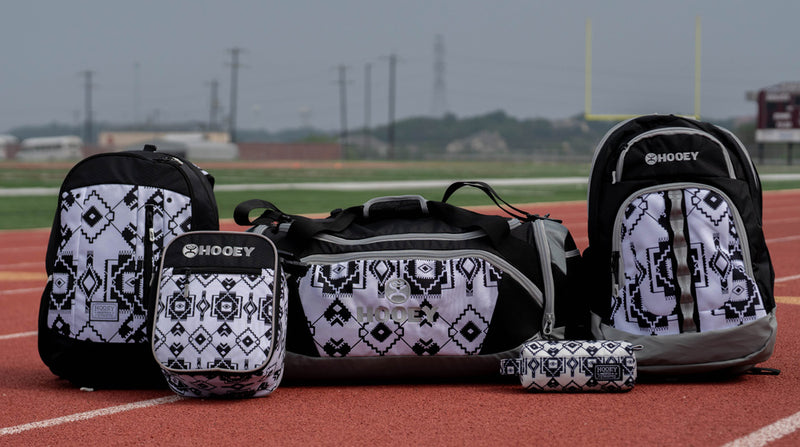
[(400, 307)]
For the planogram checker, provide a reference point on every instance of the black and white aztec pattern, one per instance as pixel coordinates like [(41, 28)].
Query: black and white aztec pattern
[(726, 296), (573, 365), (97, 279), (400, 307), (214, 333)]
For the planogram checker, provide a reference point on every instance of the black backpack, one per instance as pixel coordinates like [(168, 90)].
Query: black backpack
[(116, 212), (676, 250)]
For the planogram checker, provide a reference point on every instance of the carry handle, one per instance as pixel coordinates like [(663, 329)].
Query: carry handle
[(299, 226), (241, 214), (483, 186), (396, 205)]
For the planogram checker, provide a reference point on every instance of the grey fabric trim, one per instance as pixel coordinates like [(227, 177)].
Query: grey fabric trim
[(692, 353), (680, 247)]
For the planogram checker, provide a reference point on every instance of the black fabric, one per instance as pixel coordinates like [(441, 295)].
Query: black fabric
[(677, 153), (516, 317)]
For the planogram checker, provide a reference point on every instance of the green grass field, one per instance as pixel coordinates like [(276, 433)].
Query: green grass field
[(38, 211)]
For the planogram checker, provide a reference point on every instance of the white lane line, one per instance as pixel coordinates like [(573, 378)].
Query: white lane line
[(787, 278), (772, 432), (88, 415), (19, 291), (19, 335), (783, 239)]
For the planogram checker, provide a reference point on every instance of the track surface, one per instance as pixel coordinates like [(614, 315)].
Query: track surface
[(36, 408)]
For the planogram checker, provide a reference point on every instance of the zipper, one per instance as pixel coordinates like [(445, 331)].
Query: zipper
[(149, 238), (616, 176), (218, 269), (597, 149), (188, 275), (178, 164), (545, 259), (495, 260), (477, 234)]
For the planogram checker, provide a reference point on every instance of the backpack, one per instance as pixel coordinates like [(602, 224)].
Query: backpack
[(115, 213), (402, 287), (676, 250)]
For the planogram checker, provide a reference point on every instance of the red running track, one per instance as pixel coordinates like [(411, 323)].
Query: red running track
[(36, 408)]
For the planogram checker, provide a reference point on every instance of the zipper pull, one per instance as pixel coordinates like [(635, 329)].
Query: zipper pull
[(548, 324), (186, 284)]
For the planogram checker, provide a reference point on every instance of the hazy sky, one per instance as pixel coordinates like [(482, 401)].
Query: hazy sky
[(156, 59)]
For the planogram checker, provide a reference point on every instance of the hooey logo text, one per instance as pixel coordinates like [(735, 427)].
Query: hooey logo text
[(652, 158), (192, 250)]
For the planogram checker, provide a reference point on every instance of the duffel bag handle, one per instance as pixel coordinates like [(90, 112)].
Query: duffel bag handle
[(300, 226), (397, 205), (489, 191), (241, 214)]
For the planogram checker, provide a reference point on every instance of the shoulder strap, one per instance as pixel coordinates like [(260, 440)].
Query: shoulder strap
[(508, 208)]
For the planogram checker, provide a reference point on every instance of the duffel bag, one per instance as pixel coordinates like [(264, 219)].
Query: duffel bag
[(403, 287)]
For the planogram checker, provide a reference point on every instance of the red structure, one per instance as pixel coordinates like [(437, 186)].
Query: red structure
[(779, 113)]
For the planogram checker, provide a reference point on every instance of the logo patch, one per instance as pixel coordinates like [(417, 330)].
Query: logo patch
[(190, 250), (397, 290), (608, 372), (103, 311)]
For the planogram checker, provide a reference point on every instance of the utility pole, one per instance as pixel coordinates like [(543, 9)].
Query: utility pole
[(136, 93), (439, 104), (392, 87), (367, 100), (213, 108), (343, 104), (234, 81), (87, 121)]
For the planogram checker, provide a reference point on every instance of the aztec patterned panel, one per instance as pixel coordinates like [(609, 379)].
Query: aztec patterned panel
[(400, 307), (725, 293), (97, 283)]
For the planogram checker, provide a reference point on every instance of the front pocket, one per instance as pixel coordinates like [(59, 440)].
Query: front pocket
[(400, 305), (214, 319), (683, 263)]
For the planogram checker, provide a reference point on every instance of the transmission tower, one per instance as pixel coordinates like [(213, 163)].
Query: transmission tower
[(439, 103)]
